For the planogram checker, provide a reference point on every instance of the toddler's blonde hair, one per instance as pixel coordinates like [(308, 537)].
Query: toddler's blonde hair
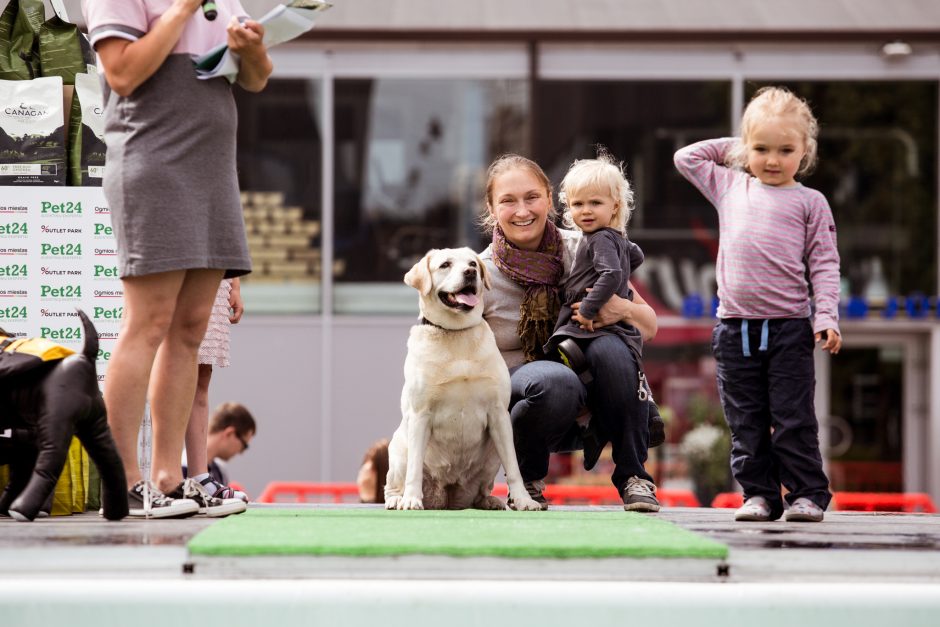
[(777, 102), (605, 175)]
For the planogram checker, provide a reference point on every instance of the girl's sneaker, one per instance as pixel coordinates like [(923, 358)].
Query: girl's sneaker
[(755, 509), (804, 510), (224, 492), (208, 505), (145, 501)]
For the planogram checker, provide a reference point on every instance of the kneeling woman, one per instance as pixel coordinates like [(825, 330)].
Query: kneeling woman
[(529, 261)]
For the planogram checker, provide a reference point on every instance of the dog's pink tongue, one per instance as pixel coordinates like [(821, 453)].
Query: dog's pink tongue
[(470, 300)]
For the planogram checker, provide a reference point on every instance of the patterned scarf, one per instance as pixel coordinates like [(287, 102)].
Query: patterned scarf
[(539, 272)]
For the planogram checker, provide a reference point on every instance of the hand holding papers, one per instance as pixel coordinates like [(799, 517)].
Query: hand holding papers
[(282, 23)]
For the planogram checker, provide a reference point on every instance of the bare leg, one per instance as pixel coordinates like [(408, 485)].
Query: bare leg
[(174, 374), (149, 302), (197, 430)]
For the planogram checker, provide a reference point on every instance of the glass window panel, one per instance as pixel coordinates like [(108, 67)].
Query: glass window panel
[(866, 421), (410, 161), (878, 169), (643, 123), (279, 171)]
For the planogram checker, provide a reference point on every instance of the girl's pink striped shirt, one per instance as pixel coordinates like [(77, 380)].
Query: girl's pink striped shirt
[(768, 238)]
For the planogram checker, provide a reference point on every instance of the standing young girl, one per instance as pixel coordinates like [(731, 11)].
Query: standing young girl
[(773, 231)]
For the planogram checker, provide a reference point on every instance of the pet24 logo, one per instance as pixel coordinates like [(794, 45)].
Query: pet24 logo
[(60, 291), (17, 229), (107, 313), (13, 313), (65, 208), (61, 333), (60, 250), (15, 271)]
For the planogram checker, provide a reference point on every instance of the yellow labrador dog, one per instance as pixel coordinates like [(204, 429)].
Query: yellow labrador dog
[(455, 429)]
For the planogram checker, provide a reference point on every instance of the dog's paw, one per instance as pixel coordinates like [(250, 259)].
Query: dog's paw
[(526, 505), (391, 502), (490, 502), (410, 502)]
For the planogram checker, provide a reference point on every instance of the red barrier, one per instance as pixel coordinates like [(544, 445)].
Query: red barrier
[(883, 502), (856, 501), (567, 494), (299, 491), (728, 499), (559, 494)]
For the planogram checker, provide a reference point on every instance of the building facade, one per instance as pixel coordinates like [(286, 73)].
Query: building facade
[(370, 146)]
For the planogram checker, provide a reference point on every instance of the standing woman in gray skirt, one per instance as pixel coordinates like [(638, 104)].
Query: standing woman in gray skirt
[(171, 183)]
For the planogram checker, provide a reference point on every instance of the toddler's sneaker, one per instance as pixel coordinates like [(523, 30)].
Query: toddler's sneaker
[(804, 510), (146, 501), (755, 509), (208, 505), (639, 495)]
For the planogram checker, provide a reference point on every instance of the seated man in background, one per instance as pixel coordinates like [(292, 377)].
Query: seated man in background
[(231, 428)]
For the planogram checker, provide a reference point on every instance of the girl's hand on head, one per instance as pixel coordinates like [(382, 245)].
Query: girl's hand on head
[(245, 38), (833, 341)]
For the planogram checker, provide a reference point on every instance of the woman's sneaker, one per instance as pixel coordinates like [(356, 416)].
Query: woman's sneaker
[(535, 489), (804, 510), (755, 509), (208, 505), (639, 495), (145, 501)]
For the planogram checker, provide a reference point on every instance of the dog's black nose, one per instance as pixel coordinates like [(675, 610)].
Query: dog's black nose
[(470, 272)]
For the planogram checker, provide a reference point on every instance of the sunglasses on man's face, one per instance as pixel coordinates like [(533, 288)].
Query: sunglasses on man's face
[(243, 441)]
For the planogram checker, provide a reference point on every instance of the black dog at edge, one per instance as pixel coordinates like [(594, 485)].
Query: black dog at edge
[(41, 408)]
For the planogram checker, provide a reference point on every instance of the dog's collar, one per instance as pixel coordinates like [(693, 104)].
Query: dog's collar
[(425, 321), (428, 322)]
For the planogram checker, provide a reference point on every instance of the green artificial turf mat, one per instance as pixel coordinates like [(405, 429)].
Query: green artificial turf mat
[(372, 532)]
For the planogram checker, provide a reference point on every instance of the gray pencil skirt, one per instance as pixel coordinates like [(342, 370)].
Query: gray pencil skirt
[(170, 177)]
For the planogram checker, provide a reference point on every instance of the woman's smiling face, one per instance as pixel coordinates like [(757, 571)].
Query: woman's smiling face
[(520, 202)]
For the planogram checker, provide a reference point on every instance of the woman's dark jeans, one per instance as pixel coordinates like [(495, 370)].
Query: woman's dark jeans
[(546, 399)]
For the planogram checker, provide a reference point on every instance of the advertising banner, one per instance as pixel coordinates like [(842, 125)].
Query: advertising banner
[(57, 254)]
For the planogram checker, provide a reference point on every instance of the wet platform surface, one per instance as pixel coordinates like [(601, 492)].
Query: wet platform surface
[(847, 547)]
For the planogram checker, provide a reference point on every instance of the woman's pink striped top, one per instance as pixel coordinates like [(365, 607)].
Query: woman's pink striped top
[(769, 238), (132, 19)]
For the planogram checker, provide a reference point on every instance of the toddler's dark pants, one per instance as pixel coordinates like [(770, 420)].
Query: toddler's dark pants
[(766, 381)]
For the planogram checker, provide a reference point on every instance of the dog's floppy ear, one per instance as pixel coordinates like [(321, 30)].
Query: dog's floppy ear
[(419, 277), (484, 273)]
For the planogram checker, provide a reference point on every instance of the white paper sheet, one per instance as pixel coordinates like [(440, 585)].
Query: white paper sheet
[(282, 23)]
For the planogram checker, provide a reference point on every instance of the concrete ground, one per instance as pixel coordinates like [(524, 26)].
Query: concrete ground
[(855, 568)]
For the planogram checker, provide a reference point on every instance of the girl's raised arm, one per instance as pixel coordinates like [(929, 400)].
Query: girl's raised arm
[(702, 164)]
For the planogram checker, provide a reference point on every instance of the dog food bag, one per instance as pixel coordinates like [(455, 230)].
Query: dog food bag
[(86, 132), (32, 132), (63, 50), (20, 23)]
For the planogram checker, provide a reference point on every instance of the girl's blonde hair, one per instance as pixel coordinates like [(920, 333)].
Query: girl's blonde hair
[(501, 165), (603, 174), (777, 102)]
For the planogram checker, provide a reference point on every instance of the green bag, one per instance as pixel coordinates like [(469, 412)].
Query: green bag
[(19, 39), (63, 50)]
